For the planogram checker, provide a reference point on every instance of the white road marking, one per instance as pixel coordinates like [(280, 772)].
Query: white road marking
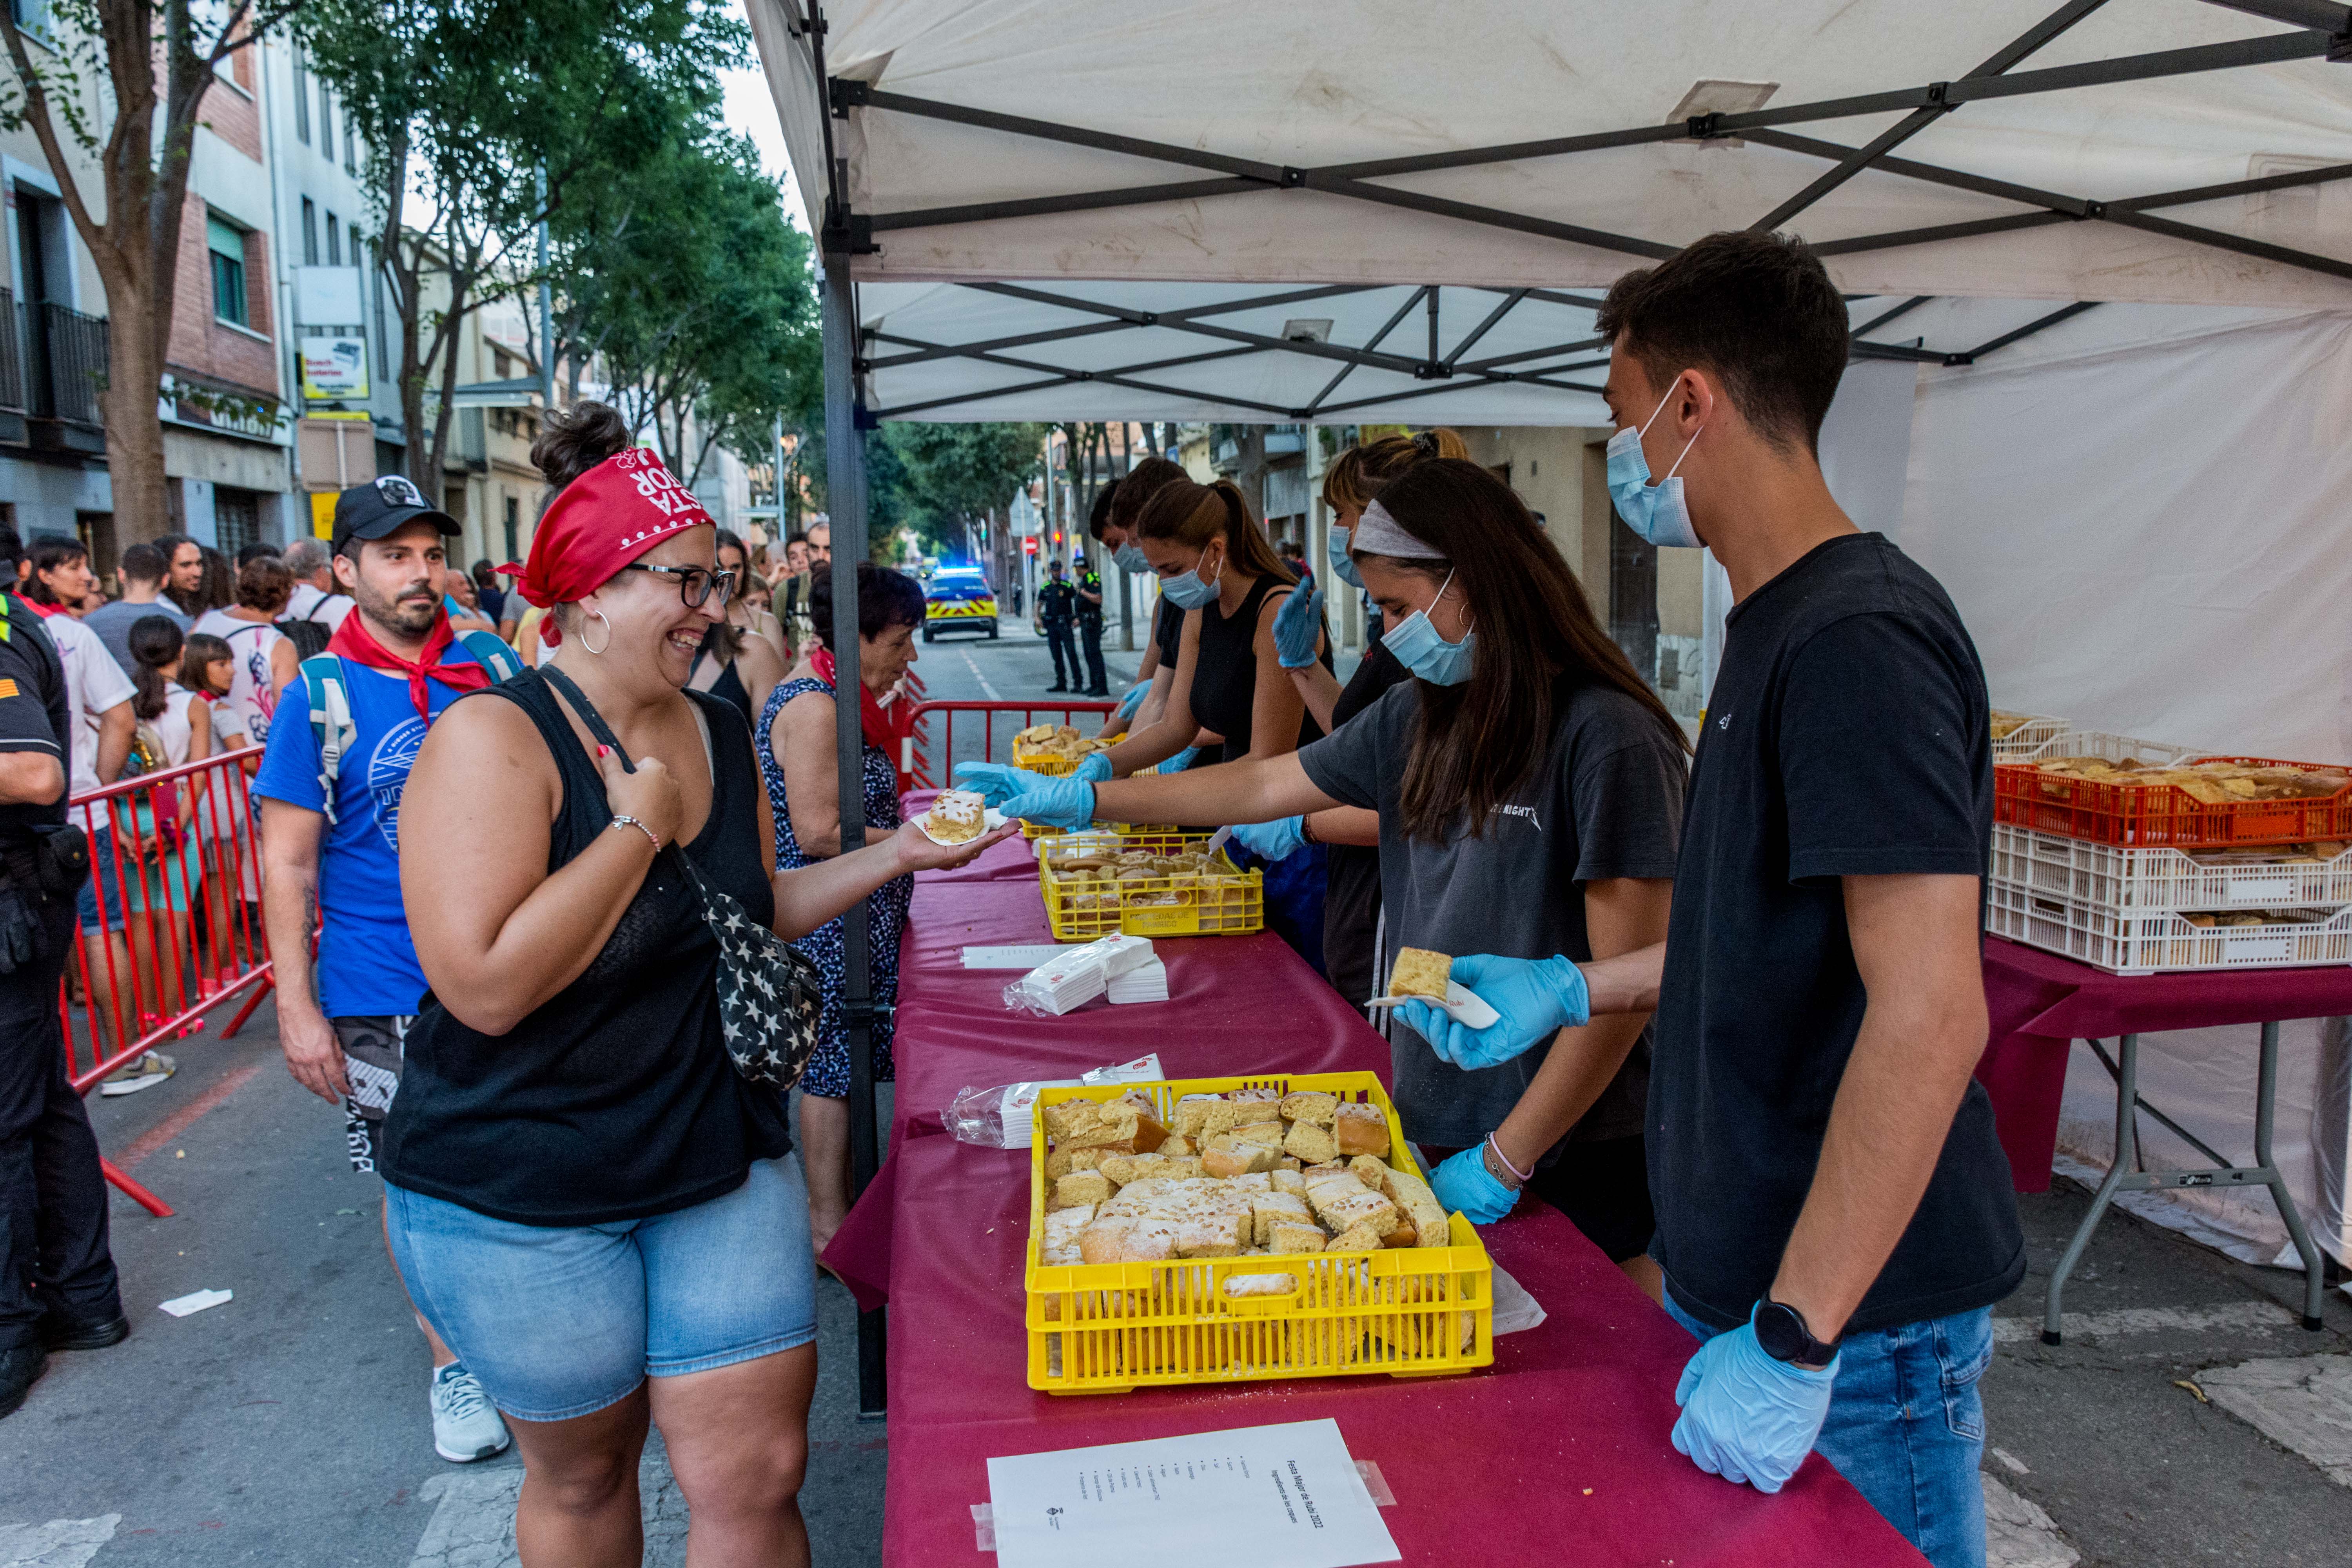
[(990, 690), (2018, 1534), (2305, 1403), (2147, 1320), (60, 1543), (473, 1521)]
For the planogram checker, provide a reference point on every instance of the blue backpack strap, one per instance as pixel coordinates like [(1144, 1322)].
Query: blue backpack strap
[(492, 653), (330, 719)]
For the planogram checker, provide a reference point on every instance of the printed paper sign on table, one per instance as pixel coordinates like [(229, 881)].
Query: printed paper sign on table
[(1287, 1496)]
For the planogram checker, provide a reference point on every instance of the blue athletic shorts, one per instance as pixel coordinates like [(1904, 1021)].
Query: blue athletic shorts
[(559, 1322)]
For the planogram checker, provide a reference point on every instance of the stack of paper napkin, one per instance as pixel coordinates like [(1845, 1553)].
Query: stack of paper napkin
[(1147, 981), (1073, 978)]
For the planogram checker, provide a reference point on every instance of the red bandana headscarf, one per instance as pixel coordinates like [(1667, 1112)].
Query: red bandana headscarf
[(356, 643), (603, 520)]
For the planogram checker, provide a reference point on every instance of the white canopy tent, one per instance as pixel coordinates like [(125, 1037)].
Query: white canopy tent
[(2107, 239)]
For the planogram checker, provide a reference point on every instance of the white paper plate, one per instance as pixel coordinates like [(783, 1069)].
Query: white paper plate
[(1461, 1005), (991, 819)]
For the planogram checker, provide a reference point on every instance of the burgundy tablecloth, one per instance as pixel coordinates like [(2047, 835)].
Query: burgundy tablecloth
[(2040, 1003), (1559, 1451)]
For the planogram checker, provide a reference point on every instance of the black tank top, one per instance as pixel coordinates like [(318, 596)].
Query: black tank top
[(616, 1099), (728, 687), (1224, 673)]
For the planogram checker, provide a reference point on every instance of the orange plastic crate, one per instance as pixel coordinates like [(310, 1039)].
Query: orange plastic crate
[(2165, 814)]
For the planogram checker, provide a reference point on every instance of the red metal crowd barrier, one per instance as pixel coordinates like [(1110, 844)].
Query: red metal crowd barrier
[(175, 873), (931, 770)]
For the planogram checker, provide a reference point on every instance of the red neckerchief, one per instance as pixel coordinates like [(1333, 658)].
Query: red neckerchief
[(884, 728), (38, 608), (352, 641)]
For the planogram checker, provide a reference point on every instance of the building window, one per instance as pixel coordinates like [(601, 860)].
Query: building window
[(309, 233), (236, 519), (228, 247), (350, 148), (334, 242), (302, 99), (326, 125), (514, 528)]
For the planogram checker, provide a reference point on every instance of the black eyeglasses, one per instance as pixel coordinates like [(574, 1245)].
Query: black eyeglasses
[(695, 583)]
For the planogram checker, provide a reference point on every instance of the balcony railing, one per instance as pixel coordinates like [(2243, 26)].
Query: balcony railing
[(68, 357)]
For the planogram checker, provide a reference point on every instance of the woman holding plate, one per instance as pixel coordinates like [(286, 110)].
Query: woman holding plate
[(1529, 791)]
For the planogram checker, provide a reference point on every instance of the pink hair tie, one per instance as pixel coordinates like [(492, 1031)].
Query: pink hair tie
[(1524, 1176)]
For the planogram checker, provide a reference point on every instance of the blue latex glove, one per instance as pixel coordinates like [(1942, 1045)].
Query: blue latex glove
[(1275, 841), (1134, 698), (1093, 767), (1746, 1417), (1463, 1182), (1058, 803), (1535, 996), (996, 783), (1296, 621), (1180, 761)]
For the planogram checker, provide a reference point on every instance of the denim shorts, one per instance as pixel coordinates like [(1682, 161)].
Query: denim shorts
[(560, 1322), (103, 886)]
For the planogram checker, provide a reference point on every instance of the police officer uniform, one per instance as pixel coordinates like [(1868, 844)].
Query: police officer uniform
[(1057, 610), (1090, 629), (58, 1285)]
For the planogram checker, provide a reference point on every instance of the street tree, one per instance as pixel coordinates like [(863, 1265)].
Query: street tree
[(123, 82), (952, 476), (481, 117)]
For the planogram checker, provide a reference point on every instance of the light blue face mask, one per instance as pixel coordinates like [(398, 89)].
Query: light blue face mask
[(1657, 511), (1342, 564), (1424, 653), (1130, 557), (1186, 590)]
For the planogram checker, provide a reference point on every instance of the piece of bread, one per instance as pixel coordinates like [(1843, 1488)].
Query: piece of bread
[(1058, 1243), (1324, 1169), (1404, 1234), (1213, 1235), (1271, 1209), (1193, 1115), (957, 817), (1079, 1189), (1340, 1204), (1420, 1207), (1363, 1236), (1292, 1237), (1269, 1133), (1420, 973), (1309, 1143), (1287, 1180), (1289, 1163), (1310, 1105), (1361, 1129), (1177, 1146), (1373, 1173), (1060, 1162), (1226, 1158), (1238, 1284)]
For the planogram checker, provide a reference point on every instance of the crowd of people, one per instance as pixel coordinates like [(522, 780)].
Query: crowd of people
[(1736, 985)]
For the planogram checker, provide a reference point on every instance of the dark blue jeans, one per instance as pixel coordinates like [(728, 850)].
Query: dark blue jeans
[(1907, 1427)]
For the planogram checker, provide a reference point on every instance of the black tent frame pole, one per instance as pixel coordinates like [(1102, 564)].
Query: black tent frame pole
[(844, 443)]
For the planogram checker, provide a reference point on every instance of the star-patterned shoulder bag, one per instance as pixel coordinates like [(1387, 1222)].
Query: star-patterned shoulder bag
[(770, 992)]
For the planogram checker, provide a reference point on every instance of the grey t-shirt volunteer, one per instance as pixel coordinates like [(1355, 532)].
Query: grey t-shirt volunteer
[(1605, 802)]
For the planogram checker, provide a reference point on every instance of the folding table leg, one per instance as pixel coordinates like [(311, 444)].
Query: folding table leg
[(2314, 1280), (2127, 1156)]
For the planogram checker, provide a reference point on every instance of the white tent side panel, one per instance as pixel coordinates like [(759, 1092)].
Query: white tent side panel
[(2153, 540)]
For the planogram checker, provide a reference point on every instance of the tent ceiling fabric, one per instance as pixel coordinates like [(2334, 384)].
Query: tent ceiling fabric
[(1283, 127)]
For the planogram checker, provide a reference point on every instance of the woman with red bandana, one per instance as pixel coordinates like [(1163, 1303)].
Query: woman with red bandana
[(587, 1200)]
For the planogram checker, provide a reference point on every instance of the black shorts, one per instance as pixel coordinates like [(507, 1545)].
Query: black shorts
[(1604, 1188)]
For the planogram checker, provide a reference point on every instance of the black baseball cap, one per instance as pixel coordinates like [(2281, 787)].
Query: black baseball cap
[(382, 507)]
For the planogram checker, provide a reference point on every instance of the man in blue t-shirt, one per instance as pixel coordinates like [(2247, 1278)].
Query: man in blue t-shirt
[(397, 668)]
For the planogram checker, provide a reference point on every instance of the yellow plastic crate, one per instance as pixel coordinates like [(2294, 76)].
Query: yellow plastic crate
[(1107, 1328), (1235, 906)]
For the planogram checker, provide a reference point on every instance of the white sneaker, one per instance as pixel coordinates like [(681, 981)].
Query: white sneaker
[(145, 1070), (465, 1426)]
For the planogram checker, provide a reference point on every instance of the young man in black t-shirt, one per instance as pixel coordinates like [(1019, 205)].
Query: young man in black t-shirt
[(1836, 1216)]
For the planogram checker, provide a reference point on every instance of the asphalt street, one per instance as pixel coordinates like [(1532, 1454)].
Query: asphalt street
[(289, 1427)]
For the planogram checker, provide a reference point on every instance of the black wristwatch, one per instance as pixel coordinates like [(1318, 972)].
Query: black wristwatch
[(1782, 1330)]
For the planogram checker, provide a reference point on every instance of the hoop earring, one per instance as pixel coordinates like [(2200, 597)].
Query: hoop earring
[(599, 652)]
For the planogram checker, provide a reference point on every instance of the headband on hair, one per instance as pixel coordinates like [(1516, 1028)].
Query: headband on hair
[(1378, 533)]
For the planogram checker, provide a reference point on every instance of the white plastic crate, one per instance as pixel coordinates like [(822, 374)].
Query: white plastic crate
[(2145, 942), (2126, 880), (2067, 742), (2027, 738)]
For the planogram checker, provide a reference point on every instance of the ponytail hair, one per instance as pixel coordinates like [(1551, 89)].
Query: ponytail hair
[(1194, 515), (1475, 745), (1357, 474), (155, 641), (575, 440)]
